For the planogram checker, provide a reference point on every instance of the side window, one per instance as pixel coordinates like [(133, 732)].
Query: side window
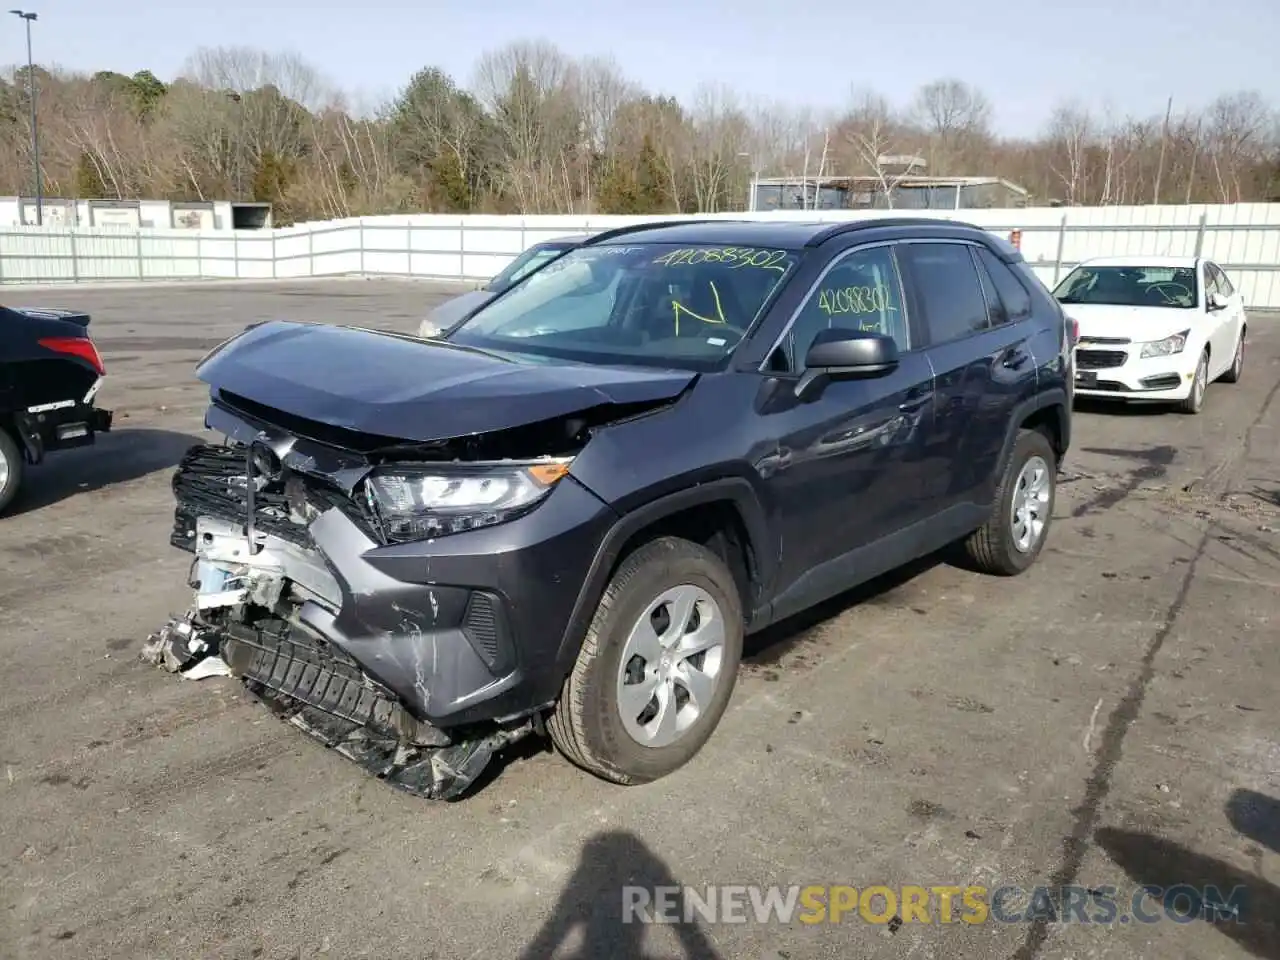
[(1220, 283), (1013, 295), (997, 315), (860, 292), (948, 285)]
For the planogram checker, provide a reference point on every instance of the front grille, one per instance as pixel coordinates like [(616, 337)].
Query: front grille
[(1121, 341), (1100, 359), (211, 481)]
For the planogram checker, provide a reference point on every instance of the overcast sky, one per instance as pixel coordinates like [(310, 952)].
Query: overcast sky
[(1026, 56)]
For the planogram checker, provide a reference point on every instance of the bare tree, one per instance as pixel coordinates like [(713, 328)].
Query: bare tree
[(955, 117), (1070, 134), (873, 133), (1237, 124)]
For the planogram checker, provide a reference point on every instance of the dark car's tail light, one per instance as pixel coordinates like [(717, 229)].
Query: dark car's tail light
[(81, 347)]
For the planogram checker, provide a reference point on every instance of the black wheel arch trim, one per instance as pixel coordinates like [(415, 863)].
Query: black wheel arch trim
[(1053, 397), (736, 490)]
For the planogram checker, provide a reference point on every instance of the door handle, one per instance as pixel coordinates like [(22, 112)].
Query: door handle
[(1015, 358), (915, 402)]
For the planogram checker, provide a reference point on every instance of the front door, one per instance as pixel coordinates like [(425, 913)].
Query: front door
[(849, 469), (1225, 323)]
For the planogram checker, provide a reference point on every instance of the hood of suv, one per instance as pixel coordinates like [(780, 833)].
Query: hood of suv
[(409, 389)]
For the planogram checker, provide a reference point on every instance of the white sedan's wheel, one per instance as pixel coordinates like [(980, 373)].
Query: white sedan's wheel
[(1194, 402), (1237, 363)]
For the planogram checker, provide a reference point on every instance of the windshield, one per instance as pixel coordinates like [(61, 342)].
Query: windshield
[(648, 304), (525, 264), (1130, 286)]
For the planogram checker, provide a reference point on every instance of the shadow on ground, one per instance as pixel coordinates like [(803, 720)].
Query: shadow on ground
[(1122, 408), (590, 920), (116, 457), (1239, 904), (1256, 816)]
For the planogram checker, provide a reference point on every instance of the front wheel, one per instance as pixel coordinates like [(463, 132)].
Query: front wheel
[(1237, 363), (11, 469), (1013, 536), (1194, 402), (657, 666)]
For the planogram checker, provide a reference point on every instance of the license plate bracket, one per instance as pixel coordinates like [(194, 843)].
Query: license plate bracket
[(1086, 378)]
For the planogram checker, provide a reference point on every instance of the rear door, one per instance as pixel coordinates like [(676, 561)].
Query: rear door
[(980, 352)]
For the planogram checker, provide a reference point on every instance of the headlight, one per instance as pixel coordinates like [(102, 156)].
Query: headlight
[(1166, 347), (415, 502)]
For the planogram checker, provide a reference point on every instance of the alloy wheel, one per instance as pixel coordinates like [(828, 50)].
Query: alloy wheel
[(1030, 507), (670, 667)]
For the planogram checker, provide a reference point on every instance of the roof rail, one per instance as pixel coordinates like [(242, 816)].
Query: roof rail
[(652, 225), (849, 226)]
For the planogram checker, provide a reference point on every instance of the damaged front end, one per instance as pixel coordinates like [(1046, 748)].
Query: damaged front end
[(269, 611), (307, 683), (391, 545)]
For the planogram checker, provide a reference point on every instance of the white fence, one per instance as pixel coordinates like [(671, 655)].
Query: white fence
[(1243, 238)]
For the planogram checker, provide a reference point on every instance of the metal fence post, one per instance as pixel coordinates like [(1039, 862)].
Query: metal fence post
[(311, 251), (1204, 217), (141, 273), (235, 253), (362, 246), (273, 253), (462, 249), (1062, 244), (75, 261)]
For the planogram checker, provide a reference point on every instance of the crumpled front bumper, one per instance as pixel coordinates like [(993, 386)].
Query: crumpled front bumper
[(409, 658)]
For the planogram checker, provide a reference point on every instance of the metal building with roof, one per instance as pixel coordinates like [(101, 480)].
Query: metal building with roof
[(867, 193)]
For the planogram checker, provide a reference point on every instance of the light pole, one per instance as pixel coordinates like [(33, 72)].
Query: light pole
[(35, 134), (755, 183)]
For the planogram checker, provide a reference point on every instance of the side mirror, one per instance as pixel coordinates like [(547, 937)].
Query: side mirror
[(1216, 301), (845, 355)]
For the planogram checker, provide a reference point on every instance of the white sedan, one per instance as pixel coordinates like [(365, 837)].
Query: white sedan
[(1153, 328)]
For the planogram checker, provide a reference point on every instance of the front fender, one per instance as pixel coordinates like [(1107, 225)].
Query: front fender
[(735, 490)]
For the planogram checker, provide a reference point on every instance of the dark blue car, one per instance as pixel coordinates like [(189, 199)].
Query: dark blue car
[(564, 516)]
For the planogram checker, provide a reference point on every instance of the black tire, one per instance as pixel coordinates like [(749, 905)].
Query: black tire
[(1194, 402), (11, 455), (992, 548), (1237, 364), (587, 725)]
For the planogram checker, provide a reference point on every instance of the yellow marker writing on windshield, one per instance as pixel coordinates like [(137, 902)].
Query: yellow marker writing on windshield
[(732, 257), (677, 308)]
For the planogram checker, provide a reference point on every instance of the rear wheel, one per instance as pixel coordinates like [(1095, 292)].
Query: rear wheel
[(12, 466), (657, 666), (1194, 402), (1013, 536)]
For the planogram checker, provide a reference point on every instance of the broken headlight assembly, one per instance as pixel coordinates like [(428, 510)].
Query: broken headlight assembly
[(416, 502)]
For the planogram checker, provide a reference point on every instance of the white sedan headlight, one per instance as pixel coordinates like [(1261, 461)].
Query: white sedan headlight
[(418, 501), (1166, 347)]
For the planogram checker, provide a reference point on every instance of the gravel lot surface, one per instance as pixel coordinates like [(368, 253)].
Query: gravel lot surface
[(1109, 718)]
